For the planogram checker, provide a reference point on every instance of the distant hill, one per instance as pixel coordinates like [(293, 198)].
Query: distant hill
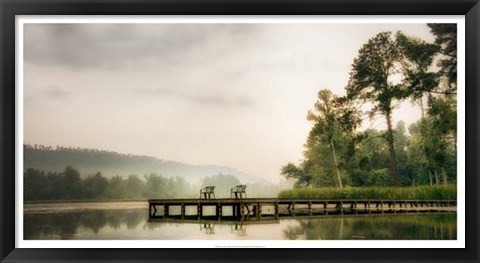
[(109, 164)]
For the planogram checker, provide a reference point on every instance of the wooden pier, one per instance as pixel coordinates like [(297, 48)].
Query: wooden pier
[(257, 207)]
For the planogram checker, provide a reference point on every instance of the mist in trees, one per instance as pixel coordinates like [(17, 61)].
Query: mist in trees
[(223, 183), (389, 69), (67, 185), (110, 163)]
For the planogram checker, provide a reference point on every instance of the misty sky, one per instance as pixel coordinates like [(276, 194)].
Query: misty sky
[(225, 94)]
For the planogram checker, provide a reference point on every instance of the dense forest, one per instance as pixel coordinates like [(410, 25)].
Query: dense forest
[(389, 69), (110, 164), (70, 185)]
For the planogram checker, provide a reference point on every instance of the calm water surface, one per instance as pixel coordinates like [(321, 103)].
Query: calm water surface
[(105, 221)]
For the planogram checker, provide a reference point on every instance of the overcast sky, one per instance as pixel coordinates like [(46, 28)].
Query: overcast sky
[(225, 94)]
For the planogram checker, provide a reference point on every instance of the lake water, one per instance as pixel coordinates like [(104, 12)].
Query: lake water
[(106, 221)]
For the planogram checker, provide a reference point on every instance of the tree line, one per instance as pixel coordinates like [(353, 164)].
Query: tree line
[(71, 185), (389, 69), (68, 185), (110, 163)]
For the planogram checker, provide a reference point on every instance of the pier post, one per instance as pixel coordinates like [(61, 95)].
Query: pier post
[(237, 210), (240, 209), (339, 205), (258, 211), (200, 210), (182, 210), (165, 210), (219, 210)]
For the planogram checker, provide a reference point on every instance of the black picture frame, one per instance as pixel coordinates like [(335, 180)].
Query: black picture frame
[(10, 8)]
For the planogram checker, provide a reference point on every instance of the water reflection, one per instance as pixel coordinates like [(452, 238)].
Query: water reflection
[(134, 224), (208, 228), (393, 227), (239, 230), (66, 225)]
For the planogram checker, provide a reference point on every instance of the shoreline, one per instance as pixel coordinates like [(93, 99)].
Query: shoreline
[(82, 206), (72, 201), (68, 207)]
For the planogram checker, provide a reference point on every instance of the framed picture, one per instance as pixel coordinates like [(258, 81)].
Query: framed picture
[(197, 131)]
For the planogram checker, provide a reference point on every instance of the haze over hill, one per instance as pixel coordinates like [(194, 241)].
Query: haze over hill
[(109, 164)]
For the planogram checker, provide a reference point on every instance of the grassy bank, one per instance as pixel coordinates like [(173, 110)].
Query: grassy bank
[(425, 192)]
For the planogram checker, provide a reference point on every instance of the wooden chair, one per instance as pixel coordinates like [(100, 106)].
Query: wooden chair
[(207, 191), (239, 189)]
